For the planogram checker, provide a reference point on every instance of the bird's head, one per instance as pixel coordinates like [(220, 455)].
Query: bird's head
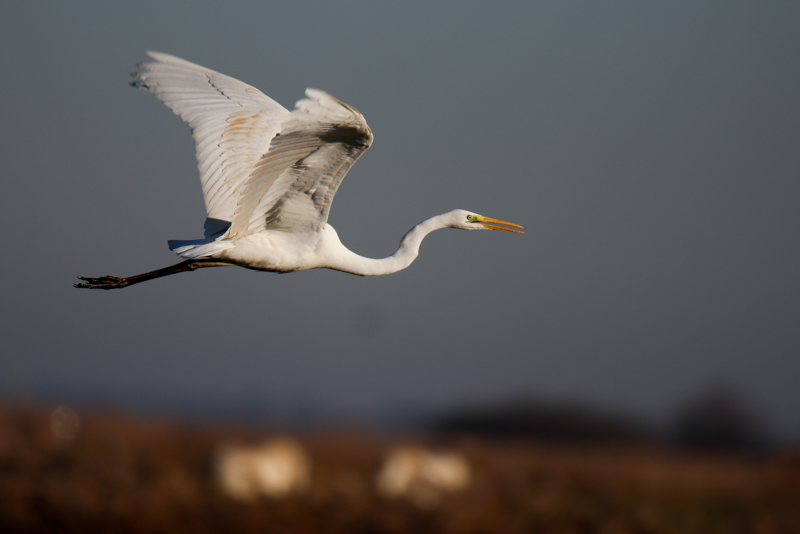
[(469, 220)]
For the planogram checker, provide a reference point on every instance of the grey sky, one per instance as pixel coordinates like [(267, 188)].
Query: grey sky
[(651, 150)]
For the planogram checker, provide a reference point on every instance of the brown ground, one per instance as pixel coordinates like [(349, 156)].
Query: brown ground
[(126, 475)]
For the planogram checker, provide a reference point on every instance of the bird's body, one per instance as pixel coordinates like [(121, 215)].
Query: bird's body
[(269, 176)]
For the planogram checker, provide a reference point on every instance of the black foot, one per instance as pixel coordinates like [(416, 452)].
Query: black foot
[(104, 282)]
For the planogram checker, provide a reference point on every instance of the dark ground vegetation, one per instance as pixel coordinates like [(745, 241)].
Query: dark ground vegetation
[(128, 475)]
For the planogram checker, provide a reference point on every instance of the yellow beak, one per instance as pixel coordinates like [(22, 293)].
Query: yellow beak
[(484, 220)]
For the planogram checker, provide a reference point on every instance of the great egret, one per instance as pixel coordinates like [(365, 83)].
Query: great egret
[(269, 176)]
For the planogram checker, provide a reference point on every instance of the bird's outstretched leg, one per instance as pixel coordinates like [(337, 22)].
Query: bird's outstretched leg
[(113, 282)]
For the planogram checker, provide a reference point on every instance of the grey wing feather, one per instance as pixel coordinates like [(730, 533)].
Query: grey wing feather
[(291, 188)]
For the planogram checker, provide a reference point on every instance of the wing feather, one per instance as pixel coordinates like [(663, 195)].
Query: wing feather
[(292, 186), (208, 101)]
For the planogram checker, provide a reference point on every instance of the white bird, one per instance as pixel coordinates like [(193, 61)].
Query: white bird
[(269, 176)]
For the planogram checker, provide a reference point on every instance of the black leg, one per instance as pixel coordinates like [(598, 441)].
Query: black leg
[(112, 282)]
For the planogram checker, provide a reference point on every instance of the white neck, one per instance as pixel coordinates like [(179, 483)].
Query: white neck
[(350, 262)]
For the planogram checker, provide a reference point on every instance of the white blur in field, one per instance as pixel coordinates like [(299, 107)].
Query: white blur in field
[(421, 476), (274, 469)]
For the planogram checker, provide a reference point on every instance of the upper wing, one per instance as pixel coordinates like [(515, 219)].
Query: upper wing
[(232, 124), (293, 184)]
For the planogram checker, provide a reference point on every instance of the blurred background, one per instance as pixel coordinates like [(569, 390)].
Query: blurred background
[(650, 149)]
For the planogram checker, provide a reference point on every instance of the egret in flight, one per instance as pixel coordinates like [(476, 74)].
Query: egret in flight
[(269, 176)]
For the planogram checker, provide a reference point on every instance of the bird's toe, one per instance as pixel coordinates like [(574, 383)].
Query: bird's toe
[(104, 282)]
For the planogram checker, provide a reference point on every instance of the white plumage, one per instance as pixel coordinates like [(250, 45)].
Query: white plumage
[(269, 176)]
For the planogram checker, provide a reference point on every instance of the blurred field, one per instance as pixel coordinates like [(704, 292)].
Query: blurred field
[(115, 474)]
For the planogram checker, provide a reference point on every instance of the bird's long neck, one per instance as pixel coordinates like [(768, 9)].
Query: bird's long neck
[(405, 254)]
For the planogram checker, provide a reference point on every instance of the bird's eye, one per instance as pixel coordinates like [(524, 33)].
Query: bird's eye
[(472, 218)]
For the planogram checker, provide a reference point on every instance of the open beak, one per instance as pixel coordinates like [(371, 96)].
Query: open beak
[(485, 220)]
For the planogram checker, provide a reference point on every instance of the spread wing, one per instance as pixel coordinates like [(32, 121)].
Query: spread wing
[(292, 186), (232, 123), (260, 165)]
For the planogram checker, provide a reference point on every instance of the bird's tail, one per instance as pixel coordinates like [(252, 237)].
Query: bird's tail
[(213, 230), (197, 248)]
